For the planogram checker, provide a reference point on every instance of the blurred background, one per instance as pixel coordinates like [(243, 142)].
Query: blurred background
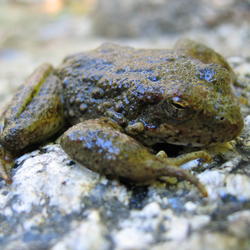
[(37, 31)]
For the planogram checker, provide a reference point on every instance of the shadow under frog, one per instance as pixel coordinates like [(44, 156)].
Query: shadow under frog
[(121, 101)]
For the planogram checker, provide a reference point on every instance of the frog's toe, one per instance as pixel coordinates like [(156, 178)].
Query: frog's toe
[(6, 163), (162, 154), (181, 159), (4, 175), (184, 175)]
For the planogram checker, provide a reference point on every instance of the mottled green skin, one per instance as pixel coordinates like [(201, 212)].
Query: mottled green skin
[(122, 100), (131, 86)]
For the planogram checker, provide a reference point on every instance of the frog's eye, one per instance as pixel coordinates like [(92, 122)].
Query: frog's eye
[(179, 103), (176, 109)]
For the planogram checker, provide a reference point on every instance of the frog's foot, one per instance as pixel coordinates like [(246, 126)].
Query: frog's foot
[(101, 146), (172, 171), (181, 159), (6, 164)]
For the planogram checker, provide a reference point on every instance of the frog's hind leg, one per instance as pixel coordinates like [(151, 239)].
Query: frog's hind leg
[(101, 146), (34, 114)]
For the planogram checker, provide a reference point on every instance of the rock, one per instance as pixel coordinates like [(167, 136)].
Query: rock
[(239, 224), (55, 203), (88, 234), (151, 18), (205, 241)]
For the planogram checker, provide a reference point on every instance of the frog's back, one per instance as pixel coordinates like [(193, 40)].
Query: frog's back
[(112, 80), (99, 82)]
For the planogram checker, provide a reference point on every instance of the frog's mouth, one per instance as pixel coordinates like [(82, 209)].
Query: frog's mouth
[(212, 133), (197, 132)]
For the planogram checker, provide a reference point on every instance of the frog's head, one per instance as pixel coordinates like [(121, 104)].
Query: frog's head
[(197, 108)]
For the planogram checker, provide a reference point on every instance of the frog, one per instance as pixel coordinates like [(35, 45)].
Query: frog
[(111, 105)]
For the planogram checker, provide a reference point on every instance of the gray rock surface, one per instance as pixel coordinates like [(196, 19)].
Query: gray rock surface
[(115, 18)]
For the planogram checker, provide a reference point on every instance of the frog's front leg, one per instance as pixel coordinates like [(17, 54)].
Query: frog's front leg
[(102, 146), (34, 114), (181, 159)]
